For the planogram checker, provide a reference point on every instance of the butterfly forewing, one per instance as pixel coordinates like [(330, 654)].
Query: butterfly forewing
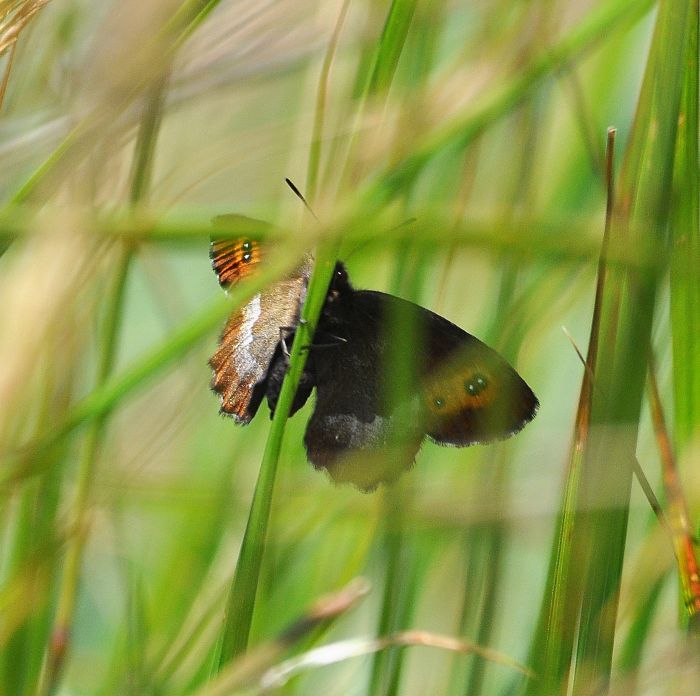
[(237, 254)]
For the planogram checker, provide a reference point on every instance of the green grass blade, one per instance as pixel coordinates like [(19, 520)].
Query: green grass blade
[(70, 581), (242, 594), (587, 567), (320, 110), (105, 398), (554, 639), (642, 210), (685, 283), (401, 580), (241, 601), (465, 128), (685, 258), (631, 652), (390, 46), (183, 23)]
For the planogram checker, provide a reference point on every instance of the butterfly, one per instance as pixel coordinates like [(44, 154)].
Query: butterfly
[(387, 372)]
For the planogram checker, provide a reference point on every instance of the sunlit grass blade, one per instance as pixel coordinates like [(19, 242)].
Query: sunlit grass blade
[(14, 21)]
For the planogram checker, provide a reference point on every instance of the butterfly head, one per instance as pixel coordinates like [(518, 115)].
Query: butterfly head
[(340, 283)]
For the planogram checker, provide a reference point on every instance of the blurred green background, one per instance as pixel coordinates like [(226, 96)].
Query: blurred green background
[(125, 127)]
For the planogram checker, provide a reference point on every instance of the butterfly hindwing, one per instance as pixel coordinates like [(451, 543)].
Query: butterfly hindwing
[(470, 393), (397, 373), (354, 430), (254, 332), (248, 343)]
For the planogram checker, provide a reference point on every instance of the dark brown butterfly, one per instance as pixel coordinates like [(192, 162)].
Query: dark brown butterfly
[(369, 419)]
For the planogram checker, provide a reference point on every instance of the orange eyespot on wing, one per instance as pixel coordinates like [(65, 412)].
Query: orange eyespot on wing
[(449, 396), (233, 259), (478, 405)]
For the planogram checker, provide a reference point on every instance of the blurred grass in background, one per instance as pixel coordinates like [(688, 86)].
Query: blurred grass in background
[(125, 127)]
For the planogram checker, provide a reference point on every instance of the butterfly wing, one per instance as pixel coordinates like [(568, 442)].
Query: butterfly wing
[(353, 431), (456, 389), (248, 343), (254, 332), (237, 255), (470, 393)]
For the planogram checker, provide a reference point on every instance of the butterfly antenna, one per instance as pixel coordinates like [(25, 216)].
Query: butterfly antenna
[(299, 195)]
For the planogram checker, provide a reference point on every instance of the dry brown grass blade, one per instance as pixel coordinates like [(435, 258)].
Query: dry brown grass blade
[(325, 655), (6, 76), (15, 19), (678, 517), (583, 413), (245, 671)]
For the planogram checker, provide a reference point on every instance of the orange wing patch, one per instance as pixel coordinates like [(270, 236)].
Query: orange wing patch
[(451, 394), (233, 259)]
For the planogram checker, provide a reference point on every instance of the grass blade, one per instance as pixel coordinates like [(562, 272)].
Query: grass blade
[(685, 257), (642, 213)]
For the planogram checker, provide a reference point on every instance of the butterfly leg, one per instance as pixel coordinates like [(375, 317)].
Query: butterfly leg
[(285, 333), (332, 343), (275, 377)]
